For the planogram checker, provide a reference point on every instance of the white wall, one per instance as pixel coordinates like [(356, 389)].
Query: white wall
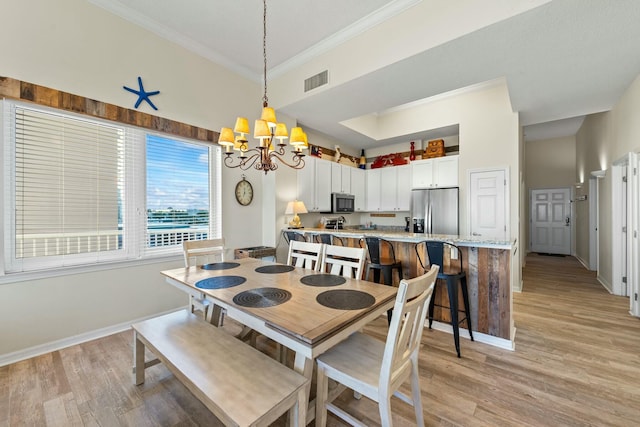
[(602, 139), (76, 47)]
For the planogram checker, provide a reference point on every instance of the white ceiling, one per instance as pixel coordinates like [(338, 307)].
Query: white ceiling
[(561, 60)]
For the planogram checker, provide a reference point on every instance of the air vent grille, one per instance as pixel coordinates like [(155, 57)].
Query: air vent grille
[(316, 81)]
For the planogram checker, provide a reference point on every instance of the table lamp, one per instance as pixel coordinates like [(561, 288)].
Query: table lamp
[(295, 208)]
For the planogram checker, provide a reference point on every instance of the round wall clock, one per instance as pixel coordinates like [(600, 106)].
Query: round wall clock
[(244, 192)]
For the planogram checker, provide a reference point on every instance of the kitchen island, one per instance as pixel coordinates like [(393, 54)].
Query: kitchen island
[(487, 264)]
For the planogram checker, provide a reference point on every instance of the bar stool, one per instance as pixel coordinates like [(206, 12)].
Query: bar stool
[(293, 235), (435, 254), (328, 239), (377, 246)]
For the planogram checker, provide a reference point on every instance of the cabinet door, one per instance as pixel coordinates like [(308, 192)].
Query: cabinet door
[(403, 188), (373, 190), (422, 174), (446, 171), (388, 188), (307, 184), (336, 178), (346, 179), (358, 189), (322, 187)]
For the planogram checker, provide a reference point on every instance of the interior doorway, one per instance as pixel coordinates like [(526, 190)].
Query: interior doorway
[(551, 220)]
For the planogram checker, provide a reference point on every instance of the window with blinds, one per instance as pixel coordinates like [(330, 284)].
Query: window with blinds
[(74, 190)]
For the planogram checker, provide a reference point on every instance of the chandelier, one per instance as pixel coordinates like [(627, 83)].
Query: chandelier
[(266, 130)]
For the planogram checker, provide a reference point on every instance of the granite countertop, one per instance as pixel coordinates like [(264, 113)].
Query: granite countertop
[(403, 236)]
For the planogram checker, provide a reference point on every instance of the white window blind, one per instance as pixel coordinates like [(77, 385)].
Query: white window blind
[(68, 181)]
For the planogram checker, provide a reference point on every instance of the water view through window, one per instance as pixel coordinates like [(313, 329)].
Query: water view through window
[(177, 191)]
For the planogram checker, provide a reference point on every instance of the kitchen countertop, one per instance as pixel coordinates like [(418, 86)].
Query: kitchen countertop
[(403, 236)]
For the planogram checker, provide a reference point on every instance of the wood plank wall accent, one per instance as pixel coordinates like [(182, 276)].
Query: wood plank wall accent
[(487, 281), (24, 91)]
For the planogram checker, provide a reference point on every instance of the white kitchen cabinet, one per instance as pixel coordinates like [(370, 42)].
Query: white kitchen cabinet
[(403, 187), (313, 188), (359, 189), (341, 178), (436, 172), (373, 190), (388, 189)]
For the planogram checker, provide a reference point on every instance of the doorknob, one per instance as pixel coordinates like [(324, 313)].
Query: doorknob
[(567, 220)]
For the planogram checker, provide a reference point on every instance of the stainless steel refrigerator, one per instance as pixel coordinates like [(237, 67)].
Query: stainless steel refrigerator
[(435, 211)]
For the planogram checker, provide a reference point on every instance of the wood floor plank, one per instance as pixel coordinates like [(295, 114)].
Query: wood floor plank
[(576, 363)]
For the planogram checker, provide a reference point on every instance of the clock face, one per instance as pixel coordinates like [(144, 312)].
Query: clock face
[(244, 192)]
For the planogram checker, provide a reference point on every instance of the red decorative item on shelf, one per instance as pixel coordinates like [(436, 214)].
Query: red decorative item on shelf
[(394, 159), (412, 156)]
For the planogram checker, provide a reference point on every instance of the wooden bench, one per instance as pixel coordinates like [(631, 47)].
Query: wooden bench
[(239, 384)]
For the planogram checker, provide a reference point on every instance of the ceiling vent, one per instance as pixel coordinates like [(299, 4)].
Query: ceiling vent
[(316, 81)]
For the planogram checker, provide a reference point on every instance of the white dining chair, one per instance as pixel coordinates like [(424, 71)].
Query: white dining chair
[(200, 252), (376, 369), (305, 254), (343, 261)]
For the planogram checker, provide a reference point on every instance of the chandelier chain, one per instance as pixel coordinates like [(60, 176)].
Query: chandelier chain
[(265, 99)]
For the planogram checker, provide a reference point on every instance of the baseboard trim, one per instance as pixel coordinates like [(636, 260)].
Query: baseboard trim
[(584, 263), (27, 353), (477, 336), (605, 284)]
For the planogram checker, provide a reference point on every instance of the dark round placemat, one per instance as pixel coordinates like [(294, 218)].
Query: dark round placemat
[(262, 297), (323, 280), (220, 265), (345, 299), (274, 269), (220, 282)]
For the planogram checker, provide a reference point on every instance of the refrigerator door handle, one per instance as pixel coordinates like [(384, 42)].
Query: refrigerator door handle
[(428, 221)]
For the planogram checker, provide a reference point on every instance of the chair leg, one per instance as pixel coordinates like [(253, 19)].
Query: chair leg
[(322, 394), (432, 304), (385, 411), (416, 395), (452, 289), (465, 297)]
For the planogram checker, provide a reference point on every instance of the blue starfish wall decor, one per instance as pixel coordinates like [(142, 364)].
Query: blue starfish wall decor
[(142, 94)]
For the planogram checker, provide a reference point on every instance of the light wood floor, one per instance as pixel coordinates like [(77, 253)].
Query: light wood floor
[(577, 363)]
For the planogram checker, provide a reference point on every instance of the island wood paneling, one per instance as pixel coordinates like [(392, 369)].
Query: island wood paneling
[(41, 95)]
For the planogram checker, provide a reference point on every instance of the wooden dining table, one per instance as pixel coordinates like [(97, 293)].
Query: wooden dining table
[(306, 311)]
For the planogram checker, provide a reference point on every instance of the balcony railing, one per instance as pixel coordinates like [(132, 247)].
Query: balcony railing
[(53, 244)]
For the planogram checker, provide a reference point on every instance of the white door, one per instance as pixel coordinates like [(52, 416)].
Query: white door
[(551, 221), (487, 207)]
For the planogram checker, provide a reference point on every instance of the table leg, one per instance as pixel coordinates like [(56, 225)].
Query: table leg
[(217, 315), (304, 366), (138, 359)]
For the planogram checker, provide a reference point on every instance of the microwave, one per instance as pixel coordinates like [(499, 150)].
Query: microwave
[(341, 203)]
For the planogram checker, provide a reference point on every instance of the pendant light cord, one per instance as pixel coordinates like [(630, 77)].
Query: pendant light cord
[(265, 99)]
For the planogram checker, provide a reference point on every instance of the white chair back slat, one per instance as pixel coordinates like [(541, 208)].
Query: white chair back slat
[(343, 261), (199, 252), (306, 255)]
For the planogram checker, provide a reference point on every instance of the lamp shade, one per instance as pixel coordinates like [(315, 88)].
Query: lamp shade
[(226, 137), (297, 136), (295, 207), (269, 116), (281, 132), (261, 130), (242, 125)]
